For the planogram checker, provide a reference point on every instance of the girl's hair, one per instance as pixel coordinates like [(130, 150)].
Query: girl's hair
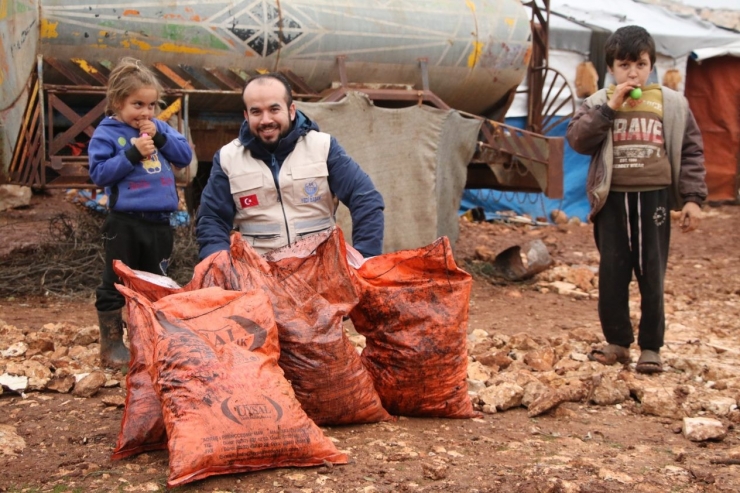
[(127, 77)]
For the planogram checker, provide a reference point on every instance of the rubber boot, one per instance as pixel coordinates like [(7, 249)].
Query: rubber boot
[(113, 353)]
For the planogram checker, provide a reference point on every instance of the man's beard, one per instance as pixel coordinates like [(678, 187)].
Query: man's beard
[(271, 146)]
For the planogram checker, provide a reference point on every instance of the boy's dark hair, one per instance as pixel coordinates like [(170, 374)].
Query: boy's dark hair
[(272, 75), (628, 43)]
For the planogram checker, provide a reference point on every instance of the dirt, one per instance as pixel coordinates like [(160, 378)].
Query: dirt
[(577, 447)]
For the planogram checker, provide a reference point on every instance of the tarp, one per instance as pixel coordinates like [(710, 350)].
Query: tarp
[(713, 91), (417, 157)]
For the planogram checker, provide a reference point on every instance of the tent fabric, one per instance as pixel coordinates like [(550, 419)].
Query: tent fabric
[(731, 49), (417, 157), (573, 203), (675, 35), (713, 91)]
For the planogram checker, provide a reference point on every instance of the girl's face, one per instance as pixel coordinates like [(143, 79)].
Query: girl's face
[(137, 107)]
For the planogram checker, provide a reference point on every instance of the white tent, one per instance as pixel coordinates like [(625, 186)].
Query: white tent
[(676, 37)]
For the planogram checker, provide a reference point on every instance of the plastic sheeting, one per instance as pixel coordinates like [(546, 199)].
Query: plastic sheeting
[(417, 157), (713, 91)]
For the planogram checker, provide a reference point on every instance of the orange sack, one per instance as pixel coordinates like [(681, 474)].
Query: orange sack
[(226, 404), (142, 426), (413, 312), (317, 356)]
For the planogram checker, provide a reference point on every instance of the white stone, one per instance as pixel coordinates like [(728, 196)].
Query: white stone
[(701, 429)]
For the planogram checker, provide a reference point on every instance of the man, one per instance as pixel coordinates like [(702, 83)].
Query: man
[(276, 183)]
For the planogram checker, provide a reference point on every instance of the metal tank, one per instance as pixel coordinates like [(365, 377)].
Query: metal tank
[(476, 51)]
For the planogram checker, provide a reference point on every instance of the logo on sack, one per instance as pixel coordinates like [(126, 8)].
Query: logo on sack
[(237, 412), (249, 201)]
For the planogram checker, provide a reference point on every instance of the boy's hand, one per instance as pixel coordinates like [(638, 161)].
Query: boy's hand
[(690, 217), (621, 92), (147, 127)]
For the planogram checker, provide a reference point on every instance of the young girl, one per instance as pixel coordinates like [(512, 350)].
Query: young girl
[(131, 155)]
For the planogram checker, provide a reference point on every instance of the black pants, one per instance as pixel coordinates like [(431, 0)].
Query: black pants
[(632, 233), (138, 243)]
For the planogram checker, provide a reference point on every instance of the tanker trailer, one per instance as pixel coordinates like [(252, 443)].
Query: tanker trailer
[(461, 54)]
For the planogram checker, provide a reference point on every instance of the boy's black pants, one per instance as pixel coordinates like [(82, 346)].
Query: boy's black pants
[(138, 243), (632, 233)]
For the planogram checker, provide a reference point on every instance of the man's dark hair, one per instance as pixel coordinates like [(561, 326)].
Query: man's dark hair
[(272, 75), (628, 43)]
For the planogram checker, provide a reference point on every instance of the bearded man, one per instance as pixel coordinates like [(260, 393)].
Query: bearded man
[(277, 182)]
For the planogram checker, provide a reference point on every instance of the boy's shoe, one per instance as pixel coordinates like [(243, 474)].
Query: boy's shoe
[(610, 355), (649, 362)]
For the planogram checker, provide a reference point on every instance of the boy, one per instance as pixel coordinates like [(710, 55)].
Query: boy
[(647, 157)]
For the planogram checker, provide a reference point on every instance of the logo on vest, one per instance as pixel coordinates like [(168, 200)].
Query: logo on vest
[(249, 201), (310, 189)]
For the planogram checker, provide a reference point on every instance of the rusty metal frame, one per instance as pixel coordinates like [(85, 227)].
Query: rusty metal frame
[(499, 145)]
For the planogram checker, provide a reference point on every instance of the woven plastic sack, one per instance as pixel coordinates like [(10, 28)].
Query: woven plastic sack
[(317, 356), (413, 312), (226, 404), (142, 425)]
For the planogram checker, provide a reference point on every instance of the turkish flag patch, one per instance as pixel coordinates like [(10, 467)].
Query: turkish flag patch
[(249, 201)]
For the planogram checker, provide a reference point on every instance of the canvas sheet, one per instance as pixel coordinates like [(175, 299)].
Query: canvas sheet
[(417, 157)]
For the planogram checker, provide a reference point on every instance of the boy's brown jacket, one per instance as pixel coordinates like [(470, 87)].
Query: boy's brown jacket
[(590, 132)]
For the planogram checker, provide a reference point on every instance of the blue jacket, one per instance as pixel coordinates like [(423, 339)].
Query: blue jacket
[(133, 183), (352, 186)]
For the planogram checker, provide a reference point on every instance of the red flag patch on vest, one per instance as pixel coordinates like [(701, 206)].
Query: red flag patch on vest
[(249, 201)]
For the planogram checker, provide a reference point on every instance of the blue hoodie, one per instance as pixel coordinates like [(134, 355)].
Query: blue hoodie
[(133, 183), (352, 186)]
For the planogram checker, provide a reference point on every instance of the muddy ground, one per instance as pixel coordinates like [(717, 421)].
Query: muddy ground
[(577, 447)]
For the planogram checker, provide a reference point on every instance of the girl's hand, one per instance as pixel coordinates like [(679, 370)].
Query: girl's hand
[(145, 145), (147, 127)]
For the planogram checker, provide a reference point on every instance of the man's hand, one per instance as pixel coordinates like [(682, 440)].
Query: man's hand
[(690, 217)]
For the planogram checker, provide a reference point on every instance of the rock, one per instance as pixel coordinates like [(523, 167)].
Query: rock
[(702, 429), (485, 253), (37, 373), (533, 392), (14, 196), (40, 342), (567, 393), (660, 401), (503, 396), (17, 383), (582, 277), (435, 472), (498, 358), (114, 400), (477, 371), (540, 359), (86, 336), (89, 385), (610, 391), (11, 444), (62, 381), (558, 216), (15, 350), (719, 405)]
